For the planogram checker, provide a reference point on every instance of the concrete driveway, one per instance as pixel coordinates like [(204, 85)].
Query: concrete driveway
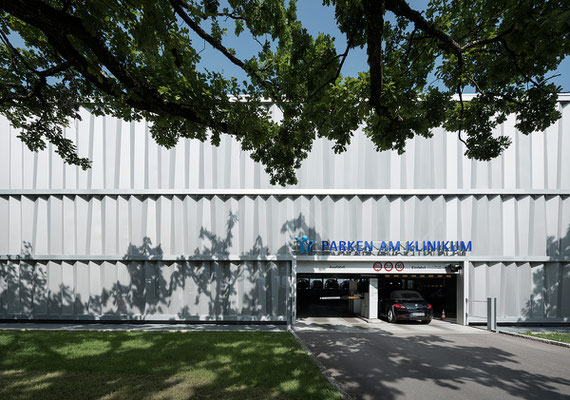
[(436, 361)]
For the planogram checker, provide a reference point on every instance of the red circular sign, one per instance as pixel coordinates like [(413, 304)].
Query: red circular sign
[(388, 266), (377, 266), (399, 266)]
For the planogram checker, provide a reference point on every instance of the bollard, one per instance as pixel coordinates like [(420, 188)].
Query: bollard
[(489, 314), (495, 328), (492, 314)]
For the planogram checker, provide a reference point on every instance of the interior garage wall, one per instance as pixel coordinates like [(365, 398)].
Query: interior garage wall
[(525, 292), (145, 290)]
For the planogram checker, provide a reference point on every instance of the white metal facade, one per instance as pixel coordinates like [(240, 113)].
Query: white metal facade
[(198, 233)]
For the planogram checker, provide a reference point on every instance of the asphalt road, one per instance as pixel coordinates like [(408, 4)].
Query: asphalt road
[(440, 361)]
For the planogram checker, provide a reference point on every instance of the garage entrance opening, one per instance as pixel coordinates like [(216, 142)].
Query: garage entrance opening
[(326, 295), (438, 290)]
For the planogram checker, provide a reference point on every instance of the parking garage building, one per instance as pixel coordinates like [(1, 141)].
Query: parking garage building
[(197, 233)]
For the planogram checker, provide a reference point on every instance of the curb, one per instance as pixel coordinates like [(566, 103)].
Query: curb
[(323, 369), (537, 339)]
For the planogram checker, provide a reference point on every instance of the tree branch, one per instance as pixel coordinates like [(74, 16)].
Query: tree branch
[(480, 25), (233, 16), (494, 39), (335, 77), (59, 27), (402, 9), (409, 47), (15, 53), (517, 66), (374, 12), (460, 92), (178, 8)]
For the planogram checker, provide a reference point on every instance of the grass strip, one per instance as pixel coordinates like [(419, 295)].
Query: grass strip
[(157, 365)]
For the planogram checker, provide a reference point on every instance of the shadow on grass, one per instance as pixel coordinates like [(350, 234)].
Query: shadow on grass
[(158, 365)]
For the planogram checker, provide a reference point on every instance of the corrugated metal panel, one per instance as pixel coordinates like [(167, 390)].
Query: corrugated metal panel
[(159, 227), (126, 157), (170, 226), (145, 290), (524, 291)]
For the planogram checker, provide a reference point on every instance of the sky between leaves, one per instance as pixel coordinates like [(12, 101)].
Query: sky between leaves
[(319, 18), (316, 18)]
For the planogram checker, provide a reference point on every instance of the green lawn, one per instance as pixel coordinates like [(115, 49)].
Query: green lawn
[(157, 365), (558, 336)]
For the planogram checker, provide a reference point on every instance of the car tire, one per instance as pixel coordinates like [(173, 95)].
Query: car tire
[(390, 316), (426, 322)]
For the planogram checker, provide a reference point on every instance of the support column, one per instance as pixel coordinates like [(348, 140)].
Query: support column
[(463, 295), (352, 286), (293, 288), (373, 298)]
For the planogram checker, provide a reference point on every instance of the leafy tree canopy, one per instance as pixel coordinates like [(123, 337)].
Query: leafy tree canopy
[(137, 59)]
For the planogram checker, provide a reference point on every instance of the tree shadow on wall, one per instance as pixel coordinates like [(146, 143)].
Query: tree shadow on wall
[(234, 289), (219, 247), (144, 284), (23, 281), (550, 296), (144, 252), (295, 228)]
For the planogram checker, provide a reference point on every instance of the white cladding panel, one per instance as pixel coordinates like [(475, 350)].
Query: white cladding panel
[(126, 157), (204, 226), (145, 290), (112, 255), (524, 291)]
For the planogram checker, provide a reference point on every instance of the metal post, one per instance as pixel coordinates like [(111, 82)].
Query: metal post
[(288, 303), (373, 299), (294, 291), (489, 314), (495, 314), (290, 299), (492, 314), (462, 280)]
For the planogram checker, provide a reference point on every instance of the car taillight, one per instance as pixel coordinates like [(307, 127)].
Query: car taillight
[(429, 305), (398, 305)]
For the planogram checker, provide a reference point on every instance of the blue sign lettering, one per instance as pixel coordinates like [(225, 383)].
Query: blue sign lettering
[(444, 247)]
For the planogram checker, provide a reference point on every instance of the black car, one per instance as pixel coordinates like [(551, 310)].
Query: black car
[(302, 284), (405, 305), (317, 284), (331, 284)]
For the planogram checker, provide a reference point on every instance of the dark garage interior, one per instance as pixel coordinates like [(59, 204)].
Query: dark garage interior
[(320, 295)]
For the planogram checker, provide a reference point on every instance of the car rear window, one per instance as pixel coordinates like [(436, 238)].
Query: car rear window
[(406, 295)]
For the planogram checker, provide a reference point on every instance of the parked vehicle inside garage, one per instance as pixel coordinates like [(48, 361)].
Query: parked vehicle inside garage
[(405, 305)]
